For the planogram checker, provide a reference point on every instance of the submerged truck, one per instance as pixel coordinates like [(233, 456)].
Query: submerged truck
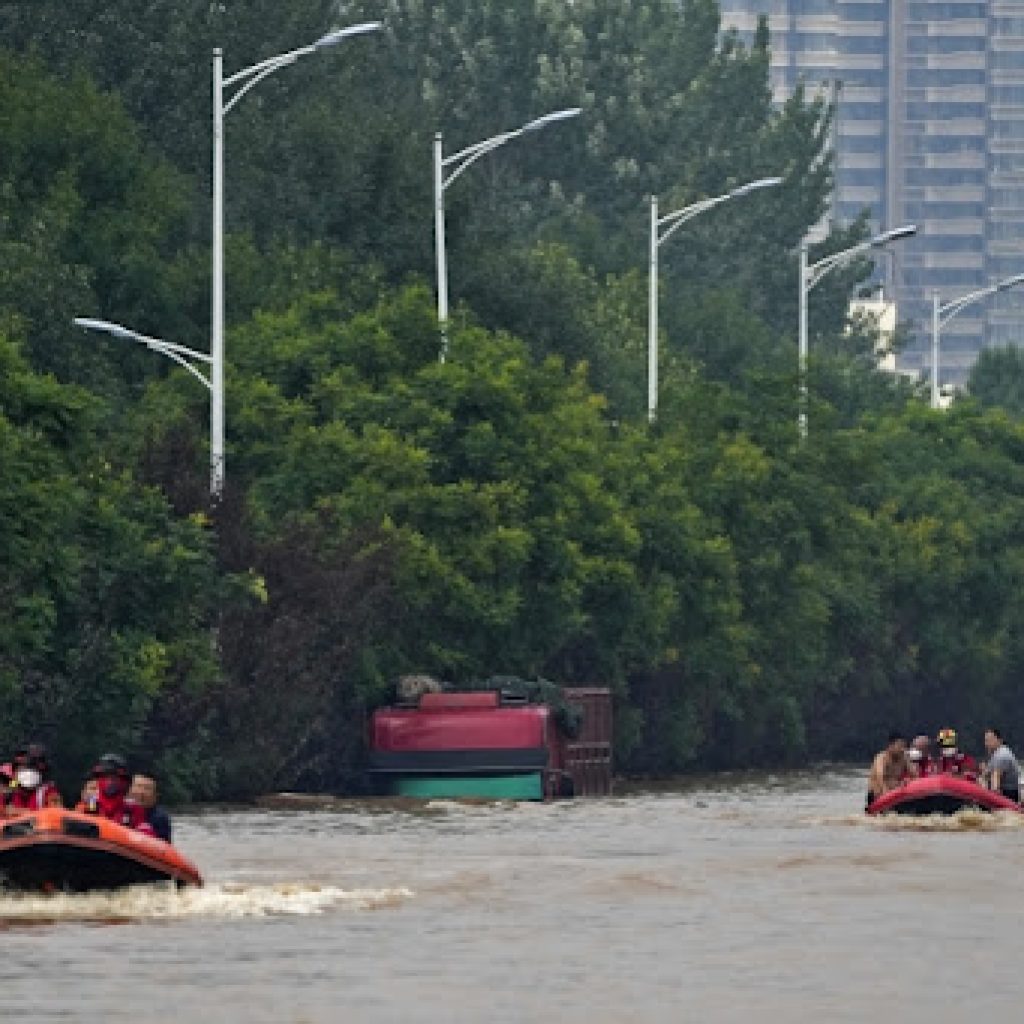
[(498, 742)]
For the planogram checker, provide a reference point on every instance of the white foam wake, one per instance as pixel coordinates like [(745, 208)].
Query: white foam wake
[(969, 819), (160, 902)]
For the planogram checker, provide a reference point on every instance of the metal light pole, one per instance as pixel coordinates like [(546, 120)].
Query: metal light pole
[(245, 79), (439, 244), (810, 275), (801, 349), (652, 314), (661, 229), (941, 315), (459, 162)]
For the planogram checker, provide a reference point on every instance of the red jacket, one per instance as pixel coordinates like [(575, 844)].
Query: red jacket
[(22, 799), (124, 811), (958, 764)]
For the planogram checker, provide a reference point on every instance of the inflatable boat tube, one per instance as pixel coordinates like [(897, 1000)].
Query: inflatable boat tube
[(940, 794), (54, 850)]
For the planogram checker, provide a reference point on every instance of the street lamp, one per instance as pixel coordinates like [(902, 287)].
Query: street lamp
[(458, 162), (245, 79), (661, 230), (183, 356), (810, 275), (941, 315)]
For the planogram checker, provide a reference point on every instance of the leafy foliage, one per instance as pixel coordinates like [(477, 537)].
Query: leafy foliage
[(88, 221), (510, 511), (997, 378), (103, 590)]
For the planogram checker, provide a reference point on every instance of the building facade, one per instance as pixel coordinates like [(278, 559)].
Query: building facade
[(930, 131)]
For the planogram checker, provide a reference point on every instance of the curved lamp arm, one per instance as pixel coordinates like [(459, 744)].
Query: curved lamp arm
[(953, 307), (816, 271), (461, 160), (179, 354), (673, 221), (255, 73)]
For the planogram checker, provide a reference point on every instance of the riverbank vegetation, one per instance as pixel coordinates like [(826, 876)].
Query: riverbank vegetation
[(752, 599)]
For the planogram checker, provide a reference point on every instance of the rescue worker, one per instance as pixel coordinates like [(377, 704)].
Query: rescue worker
[(920, 754), (32, 789), (953, 761), (113, 777), (889, 769)]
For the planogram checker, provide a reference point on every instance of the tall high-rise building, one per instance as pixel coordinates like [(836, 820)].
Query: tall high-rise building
[(930, 131)]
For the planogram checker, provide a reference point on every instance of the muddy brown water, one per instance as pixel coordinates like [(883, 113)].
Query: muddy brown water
[(738, 898)]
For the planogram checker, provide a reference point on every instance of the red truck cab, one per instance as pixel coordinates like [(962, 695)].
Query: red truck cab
[(490, 745)]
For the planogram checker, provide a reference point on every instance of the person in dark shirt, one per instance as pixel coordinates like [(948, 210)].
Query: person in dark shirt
[(1002, 772), (144, 793)]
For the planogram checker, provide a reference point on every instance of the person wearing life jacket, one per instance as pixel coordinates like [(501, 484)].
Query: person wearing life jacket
[(32, 788), (952, 761), (920, 754), (113, 778)]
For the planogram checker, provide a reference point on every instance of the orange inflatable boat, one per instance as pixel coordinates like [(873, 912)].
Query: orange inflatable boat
[(54, 850)]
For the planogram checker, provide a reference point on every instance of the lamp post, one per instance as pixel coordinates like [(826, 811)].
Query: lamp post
[(941, 315), (810, 275), (245, 80), (457, 163), (661, 229), (183, 356)]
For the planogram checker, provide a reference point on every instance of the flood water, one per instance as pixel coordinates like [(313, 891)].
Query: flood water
[(763, 897)]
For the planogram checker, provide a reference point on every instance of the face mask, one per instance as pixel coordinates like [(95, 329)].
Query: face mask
[(110, 788), (28, 778)]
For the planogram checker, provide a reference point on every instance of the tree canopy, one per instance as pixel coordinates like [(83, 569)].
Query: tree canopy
[(510, 511)]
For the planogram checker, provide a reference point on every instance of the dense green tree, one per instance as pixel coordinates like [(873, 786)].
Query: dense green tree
[(90, 219), (997, 378), (750, 597), (337, 148), (105, 597), (457, 461)]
